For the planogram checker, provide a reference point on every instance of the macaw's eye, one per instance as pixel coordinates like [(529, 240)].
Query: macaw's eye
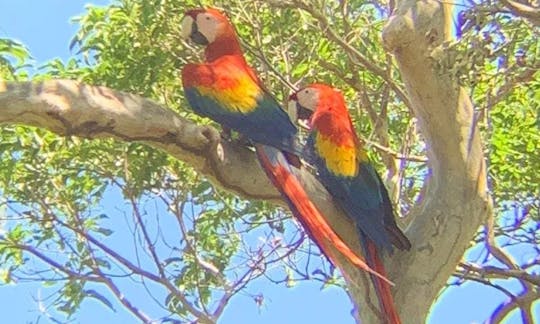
[(207, 17)]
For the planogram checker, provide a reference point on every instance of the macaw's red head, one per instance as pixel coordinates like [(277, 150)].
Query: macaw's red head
[(315, 101), (205, 26)]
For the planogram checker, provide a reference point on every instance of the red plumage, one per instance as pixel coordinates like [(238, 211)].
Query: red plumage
[(335, 151), (217, 73), (382, 288), (306, 212), (223, 55)]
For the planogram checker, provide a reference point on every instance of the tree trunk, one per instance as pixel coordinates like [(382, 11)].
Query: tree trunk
[(456, 199)]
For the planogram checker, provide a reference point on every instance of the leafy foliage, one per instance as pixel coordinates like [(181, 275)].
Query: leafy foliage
[(497, 57), (13, 59)]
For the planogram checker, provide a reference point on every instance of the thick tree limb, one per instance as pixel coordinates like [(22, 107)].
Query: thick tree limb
[(70, 108)]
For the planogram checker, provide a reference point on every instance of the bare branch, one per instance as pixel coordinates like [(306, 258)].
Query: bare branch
[(498, 273), (523, 301), (146, 236), (124, 300)]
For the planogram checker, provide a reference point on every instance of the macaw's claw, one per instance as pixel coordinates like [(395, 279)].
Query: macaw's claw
[(244, 140), (226, 134)]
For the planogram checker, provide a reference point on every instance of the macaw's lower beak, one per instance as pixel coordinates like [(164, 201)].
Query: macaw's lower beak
[(197, 37), (303, 112), (304, 116), (191, 31), (298, 113)]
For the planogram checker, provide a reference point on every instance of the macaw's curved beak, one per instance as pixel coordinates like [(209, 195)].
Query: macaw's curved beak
[(298, 113), (190, 29), (303, 112)]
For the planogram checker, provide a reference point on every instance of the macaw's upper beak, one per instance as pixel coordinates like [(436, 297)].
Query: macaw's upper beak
[(190, 29)]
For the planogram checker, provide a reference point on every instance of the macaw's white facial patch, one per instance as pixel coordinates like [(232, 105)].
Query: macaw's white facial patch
[(308, 98), (208, 26), (187, 25)]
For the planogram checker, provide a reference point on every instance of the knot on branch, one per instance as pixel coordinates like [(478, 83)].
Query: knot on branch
[(397, 33), (420, 23)]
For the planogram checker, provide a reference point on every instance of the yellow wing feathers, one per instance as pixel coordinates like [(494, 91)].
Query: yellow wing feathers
[(236, 94), (341, 160)]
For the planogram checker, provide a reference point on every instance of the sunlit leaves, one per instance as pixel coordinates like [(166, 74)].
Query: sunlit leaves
[(13, 58), (134, 46), (74, 293), (514, 144)]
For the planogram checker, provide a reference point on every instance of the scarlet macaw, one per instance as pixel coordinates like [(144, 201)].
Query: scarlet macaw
[(224, 88), (343, 168)]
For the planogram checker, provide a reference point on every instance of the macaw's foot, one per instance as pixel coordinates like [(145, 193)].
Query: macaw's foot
[(242, 140), (293, 159), (226, 134)]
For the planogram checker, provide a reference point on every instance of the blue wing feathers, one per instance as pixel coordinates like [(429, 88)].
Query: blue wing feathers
[(359, 196), (268, 124)]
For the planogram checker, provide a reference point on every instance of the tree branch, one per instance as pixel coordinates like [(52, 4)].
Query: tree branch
[(499, 273), (524, 301), (123, 299), (71, 108)]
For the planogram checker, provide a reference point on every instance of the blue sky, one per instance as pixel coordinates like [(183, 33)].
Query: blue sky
[(43, 26)]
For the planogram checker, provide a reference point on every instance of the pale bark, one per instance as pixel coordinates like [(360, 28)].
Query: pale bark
[(70, 108), (456, 200)]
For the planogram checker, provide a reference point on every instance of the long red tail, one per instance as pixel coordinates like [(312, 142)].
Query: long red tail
[(278, 170), (382, 288)]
